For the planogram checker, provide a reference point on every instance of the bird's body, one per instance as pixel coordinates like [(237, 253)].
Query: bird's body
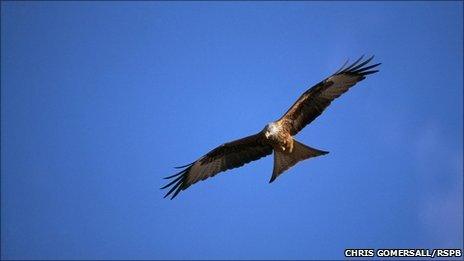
[(279, 138), (276, 136)]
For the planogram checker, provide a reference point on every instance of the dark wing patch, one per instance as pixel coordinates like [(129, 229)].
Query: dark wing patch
[(227, 156), (314, 101)]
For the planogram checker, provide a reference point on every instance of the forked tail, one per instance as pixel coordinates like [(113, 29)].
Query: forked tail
[(284, 160)]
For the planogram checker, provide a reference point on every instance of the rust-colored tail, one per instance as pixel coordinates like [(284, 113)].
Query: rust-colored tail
[(285, 160)]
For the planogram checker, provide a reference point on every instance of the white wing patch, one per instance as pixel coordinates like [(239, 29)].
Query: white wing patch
[(341, 84)]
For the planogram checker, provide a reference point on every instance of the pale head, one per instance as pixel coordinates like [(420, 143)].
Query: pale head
[(271, 129)]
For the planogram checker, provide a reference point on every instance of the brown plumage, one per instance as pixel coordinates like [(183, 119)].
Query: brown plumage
[(276, 136)]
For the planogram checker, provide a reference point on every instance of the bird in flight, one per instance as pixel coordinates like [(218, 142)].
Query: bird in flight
[(276, 136)]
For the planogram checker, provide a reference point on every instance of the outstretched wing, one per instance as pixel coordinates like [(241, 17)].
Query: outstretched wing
[(314, 101), (227, 156)]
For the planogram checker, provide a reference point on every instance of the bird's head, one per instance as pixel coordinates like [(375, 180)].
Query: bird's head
[(270, 130)]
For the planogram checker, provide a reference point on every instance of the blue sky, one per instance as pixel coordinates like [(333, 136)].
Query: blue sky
[(99, 100)]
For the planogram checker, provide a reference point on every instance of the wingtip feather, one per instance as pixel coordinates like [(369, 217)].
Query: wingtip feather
[(187, 165), (341, 68), (370, 72), (177, 183), (353, 64)]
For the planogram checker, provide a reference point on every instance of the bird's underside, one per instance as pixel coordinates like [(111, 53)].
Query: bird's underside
[(277, 136)]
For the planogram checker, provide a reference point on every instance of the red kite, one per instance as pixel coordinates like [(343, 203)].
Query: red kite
[(276, 136)]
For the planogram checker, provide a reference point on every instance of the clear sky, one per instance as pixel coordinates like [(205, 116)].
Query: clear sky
[(99, 100)]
